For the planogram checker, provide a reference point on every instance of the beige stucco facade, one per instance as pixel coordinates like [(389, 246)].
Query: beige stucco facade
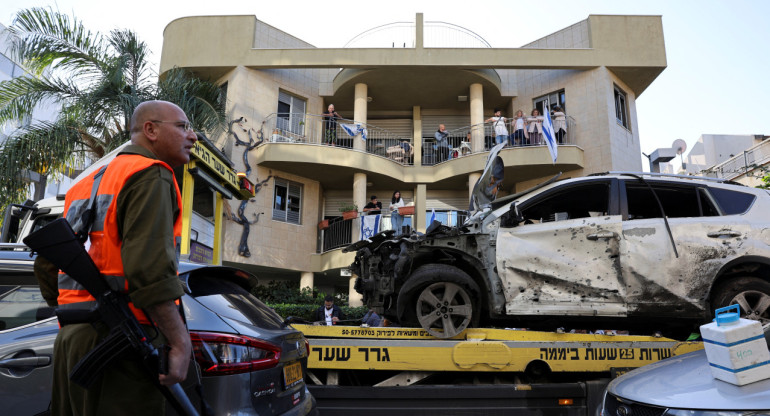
[(414, 89)]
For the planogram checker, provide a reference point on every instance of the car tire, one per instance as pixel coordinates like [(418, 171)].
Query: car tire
[(455, 294), (751, 293)]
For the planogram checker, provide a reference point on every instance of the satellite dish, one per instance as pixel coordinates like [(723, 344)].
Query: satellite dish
[(679, 145)]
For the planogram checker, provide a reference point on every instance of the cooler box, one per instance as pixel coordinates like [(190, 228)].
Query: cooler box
[(736, 348)]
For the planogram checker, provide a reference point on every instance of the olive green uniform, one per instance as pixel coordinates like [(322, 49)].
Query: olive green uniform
[(146, 211)]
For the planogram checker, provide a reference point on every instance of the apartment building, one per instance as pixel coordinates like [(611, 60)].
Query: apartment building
[(392, 88)]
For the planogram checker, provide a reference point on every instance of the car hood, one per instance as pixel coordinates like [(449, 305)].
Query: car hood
[(685, 382), (485, 189)]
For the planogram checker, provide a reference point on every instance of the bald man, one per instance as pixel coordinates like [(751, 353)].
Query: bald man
[(133, 242)]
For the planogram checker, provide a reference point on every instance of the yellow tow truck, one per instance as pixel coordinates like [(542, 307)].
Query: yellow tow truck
[(353, 369)]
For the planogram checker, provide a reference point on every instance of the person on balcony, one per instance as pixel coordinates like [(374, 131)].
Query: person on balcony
[(374, 206), (330, 126), (442, 143), (535, 127), (559, 124), (518, 125), (498, 121), (395, 218)]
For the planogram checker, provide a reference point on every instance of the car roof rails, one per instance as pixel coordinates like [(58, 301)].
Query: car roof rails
[(667, 175)]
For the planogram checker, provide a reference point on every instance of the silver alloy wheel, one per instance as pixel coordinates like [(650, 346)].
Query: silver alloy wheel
[(755, 305), (444, 309)]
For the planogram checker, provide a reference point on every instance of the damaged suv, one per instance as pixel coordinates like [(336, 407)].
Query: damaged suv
[(621, 248)]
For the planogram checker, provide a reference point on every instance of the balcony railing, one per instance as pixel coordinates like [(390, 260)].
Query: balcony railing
[(743, 163), (340, 232), (461, 143), (303, 128), (312, 129)]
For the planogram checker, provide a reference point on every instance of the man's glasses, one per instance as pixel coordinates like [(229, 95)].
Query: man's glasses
[(183, 124)]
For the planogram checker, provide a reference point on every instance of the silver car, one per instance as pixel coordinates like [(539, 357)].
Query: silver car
[(683, 386), (251, 363), (618, 249)]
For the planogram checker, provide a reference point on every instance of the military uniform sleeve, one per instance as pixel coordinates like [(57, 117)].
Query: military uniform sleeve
[(48, 278), (146, 210)]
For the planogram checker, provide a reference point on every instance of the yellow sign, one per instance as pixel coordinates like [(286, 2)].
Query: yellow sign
[(214, 164), (480, 349)]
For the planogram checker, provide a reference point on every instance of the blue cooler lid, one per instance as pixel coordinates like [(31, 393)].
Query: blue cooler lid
[(725, 317)]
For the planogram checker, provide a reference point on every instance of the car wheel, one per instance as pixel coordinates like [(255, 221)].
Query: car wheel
[(443, 299), (751, 293)]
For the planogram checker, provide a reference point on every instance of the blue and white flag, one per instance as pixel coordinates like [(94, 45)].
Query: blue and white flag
[(550, 136), (370, 226), (353, 129), (432, 216)]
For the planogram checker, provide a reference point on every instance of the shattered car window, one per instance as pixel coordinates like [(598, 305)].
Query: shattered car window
[(678, 202), (575, 202)]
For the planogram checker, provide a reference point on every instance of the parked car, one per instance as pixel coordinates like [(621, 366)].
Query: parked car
[(618, 248), (251, 363), (683, 386)]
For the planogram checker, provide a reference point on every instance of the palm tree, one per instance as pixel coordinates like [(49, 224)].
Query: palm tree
[(96, 82)]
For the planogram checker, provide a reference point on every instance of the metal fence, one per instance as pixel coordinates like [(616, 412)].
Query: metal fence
[(315, 129), (460, 141), (743, 163)]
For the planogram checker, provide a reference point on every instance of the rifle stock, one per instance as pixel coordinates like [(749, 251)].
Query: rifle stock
[(58, 243)]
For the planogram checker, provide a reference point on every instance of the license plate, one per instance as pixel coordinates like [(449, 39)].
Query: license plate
[(292, 374)]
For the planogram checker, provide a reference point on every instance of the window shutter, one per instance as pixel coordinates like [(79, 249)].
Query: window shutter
[(293, 213)]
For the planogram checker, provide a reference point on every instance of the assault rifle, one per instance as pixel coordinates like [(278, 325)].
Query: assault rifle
[(59, 244)]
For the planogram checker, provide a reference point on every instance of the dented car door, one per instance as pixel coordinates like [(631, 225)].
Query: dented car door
[(563, 257)]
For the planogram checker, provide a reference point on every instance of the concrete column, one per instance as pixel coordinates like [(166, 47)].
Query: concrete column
[(420, 197), (306, 280), (360, 103), (418, 26), (417, 133), (472, 179), (477, 117), (354, 298), (359, 198)]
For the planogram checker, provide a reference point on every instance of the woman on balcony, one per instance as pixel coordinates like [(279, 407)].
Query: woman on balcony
[(518, 125), (395, 218), (559, 124), (535, 126)]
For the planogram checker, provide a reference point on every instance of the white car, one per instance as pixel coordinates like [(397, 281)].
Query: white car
[(617, 249)]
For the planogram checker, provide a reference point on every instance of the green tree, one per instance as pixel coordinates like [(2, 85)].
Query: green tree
[(765, 181), (95, 82)]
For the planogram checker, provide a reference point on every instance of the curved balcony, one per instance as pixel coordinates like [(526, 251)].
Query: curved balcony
[(302, 144)]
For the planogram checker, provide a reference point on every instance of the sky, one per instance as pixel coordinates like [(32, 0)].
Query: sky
[(718, 52)]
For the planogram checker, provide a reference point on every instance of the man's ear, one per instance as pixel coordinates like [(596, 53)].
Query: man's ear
[(150, 130)]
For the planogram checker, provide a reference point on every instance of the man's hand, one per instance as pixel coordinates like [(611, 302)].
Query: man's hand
[(166, 317), (334, 320)]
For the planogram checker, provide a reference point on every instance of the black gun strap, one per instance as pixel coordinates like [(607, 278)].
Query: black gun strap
[(89, 215)]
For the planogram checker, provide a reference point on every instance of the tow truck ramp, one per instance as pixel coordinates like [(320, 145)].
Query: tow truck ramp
[(353, 370)]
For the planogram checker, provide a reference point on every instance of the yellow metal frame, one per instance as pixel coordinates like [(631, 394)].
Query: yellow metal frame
[(188, 184), (479, 349)]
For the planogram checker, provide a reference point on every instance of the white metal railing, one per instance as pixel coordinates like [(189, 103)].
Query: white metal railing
[(742, 163), (460, 141), (300, 128), (316, 129)]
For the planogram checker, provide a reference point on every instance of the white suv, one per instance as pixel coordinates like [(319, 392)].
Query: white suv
[(645, 249)]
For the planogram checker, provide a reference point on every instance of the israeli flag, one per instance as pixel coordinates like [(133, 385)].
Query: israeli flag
[(353, 129), (550, 136), (432, 216), (370, 226)]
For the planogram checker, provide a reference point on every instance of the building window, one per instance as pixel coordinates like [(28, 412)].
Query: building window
[(621, 109), (287, 201), (291, 113), (550, 101)]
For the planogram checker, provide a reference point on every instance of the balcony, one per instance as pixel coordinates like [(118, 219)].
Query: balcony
[(310, 129)]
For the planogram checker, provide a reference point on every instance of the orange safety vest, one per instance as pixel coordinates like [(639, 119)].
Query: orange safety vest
[(105, 243)]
